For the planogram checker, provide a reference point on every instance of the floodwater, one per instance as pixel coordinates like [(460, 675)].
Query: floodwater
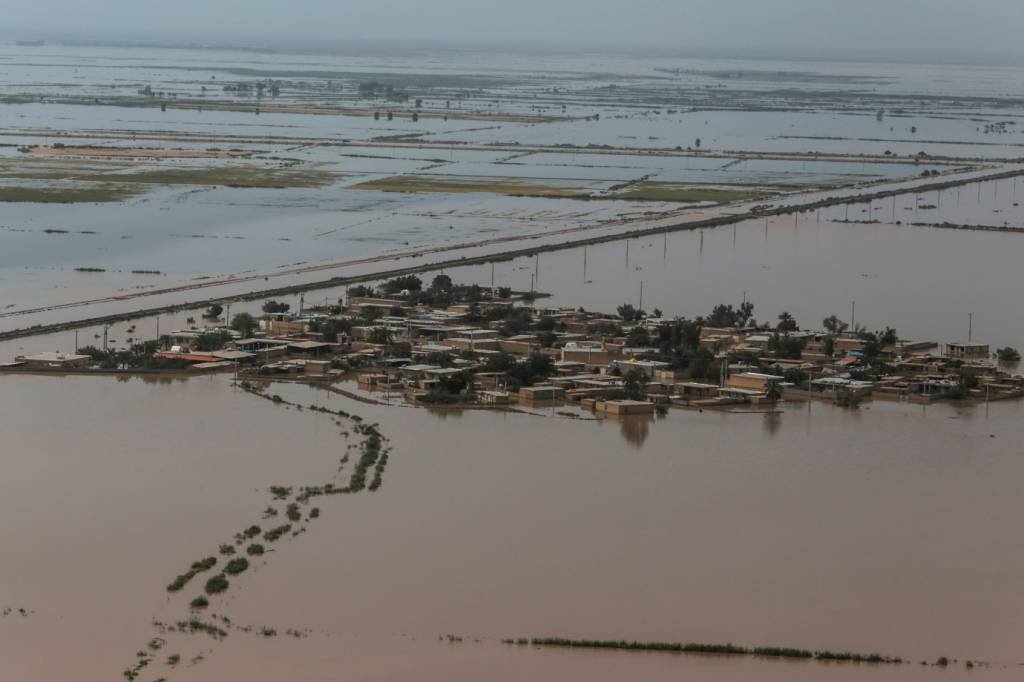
[(889, 529), (89, 95), (926, 282)]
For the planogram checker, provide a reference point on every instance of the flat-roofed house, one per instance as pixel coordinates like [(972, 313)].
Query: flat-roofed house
[(967, 351), (754, 381), (54, 361)]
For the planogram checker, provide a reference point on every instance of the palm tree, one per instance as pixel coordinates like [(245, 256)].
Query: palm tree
[(786, 323)]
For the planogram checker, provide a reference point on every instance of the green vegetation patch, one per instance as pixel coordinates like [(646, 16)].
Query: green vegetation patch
[(453, 185), (676, 191), (227, 176), (236, 566), (80, 194), (217, 584), (698, 648), (94, 185), (196, 568)]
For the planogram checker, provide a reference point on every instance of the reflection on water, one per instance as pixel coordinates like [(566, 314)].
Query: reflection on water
[(635, 428)]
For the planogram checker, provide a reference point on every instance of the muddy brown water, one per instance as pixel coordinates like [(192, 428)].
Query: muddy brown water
[(892, 529)]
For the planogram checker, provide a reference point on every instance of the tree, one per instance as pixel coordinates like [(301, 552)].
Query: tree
[(244, 323), (381, 335), (638, 338), (331, 328), (517, 321), (786, 323), (745, 314), (361, 291), (629, 313), (656, 313), (726, 316), (399, 284), (210, 341), (545, 324), (796, 376), (785, 346), (635, 384), (547, 338), (441, 283), (214, 311), (1008, 355), (273, 306), (499, 362), (833, 325), (527, 372)]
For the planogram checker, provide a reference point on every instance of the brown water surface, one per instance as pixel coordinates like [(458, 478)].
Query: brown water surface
[(891, 529)]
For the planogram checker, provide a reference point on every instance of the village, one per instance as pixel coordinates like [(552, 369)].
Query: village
[(446, 344)]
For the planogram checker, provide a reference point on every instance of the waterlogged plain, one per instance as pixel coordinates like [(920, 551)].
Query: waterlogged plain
[(348, 156), (924, 281), (499, 525), (560, 541)]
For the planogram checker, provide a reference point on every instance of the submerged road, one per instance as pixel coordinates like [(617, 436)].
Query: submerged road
[(46, 319)]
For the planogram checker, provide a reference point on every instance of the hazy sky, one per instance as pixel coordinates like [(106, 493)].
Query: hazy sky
[(811, 26)]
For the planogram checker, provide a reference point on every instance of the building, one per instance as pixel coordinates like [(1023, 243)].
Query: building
[(54, 361), (838, 387), (622, 408), (648, 367), (542, 393), (264, 348), (693, 390), (493, 397), (967, 352), (754, 381), (589, 353)]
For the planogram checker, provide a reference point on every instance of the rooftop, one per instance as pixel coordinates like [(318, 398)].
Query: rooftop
[(55, 357)]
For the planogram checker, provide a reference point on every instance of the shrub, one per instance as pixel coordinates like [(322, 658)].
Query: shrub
[(1008, 354), (236, 566), (217, 584), (274, 534)]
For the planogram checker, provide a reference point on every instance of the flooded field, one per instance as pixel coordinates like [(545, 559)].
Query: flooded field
[(493, 526), (124, 170), (923, 273), (141, 179)]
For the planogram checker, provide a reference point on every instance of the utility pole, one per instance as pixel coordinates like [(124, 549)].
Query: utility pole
[(970, 327), (76, 342), (853, 316), (641, 306), (492, 277), (105, 339)]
